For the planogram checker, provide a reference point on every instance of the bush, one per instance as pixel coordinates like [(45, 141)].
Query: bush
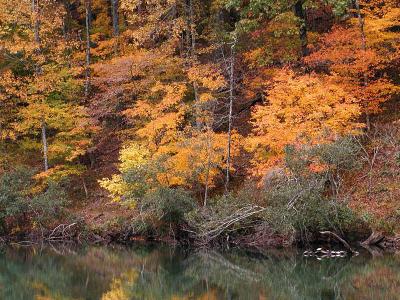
[(302, 197), (309, 197), (20, 206), (162, 209)]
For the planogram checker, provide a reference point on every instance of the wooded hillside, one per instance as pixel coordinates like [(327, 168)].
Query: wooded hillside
[(200, 117)]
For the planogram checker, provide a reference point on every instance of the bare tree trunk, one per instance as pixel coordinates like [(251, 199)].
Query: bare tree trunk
[(231, 99), (191, 44), (35, 11), (44, 143), (88, 16), (115, 16), (299, 12), (209, 152), (115, 19), (85, 187), (361, 23), (36, 26), (188, 27)]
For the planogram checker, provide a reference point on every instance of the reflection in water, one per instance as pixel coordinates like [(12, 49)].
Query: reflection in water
[(150, 272)]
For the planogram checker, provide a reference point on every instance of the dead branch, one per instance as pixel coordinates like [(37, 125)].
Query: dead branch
[(214, 228), (344, 243), (61, 233)]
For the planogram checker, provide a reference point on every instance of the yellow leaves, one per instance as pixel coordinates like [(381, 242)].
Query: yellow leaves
[(59, 173), (196, 159), (162, 117), (206, 97), (116, 186), (17, 32), (192, 159), (141, 109), (133, 156), (11, 90), (301, 109)]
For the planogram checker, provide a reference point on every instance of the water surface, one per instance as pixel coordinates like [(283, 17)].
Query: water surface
[(157, 272)]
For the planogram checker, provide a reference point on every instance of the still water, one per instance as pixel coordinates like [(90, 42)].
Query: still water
[(157, 272)]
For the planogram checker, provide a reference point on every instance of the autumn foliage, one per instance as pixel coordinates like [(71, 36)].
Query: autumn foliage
[(187, 94)]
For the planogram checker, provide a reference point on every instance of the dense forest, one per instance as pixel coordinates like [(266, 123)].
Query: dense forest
[(246, 122)]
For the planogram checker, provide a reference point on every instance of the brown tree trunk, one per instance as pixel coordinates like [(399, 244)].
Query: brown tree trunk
[(36, 27), (87, 71), (361, 22), (300, 13), (115, 19)]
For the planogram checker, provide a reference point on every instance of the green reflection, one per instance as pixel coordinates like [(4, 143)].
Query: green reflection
[(156, 272)]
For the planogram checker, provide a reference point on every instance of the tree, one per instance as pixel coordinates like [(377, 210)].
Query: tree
[(300, 109), (88, 14), (360, 68)]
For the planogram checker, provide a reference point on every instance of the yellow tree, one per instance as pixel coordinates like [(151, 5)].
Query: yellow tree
[(38, 81)]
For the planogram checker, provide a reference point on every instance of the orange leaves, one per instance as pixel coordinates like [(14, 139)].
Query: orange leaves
[(301, 109), (11, 90), (208, 76), (361, 72), (197, 159), (341, 51), (173, 95), (162, 118)]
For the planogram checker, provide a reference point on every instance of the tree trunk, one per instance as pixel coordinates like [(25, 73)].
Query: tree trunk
[(44, 143), (35, 10), (364, 48), (300, 13), (88, 16), (36, 26), (209, 153), (115, 19), (191, 44), (231, 99)]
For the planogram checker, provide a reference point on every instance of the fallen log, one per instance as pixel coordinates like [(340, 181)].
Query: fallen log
[(374, 239), (344, 243)]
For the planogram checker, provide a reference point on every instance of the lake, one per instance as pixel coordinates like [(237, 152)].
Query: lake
[(161, 272)]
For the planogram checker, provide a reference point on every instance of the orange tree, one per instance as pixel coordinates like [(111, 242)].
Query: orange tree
[(299, 109)]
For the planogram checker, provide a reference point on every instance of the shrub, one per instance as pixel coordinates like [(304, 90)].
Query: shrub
[(162, 209), (303, 197), (20, 205), (308, 198)]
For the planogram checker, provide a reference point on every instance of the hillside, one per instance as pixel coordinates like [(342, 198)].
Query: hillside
[(255, 123)]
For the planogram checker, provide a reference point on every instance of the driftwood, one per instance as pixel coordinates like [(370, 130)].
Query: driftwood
[(374, 239), (378, 241), (61, 233), (344, 243), (214, 228)]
